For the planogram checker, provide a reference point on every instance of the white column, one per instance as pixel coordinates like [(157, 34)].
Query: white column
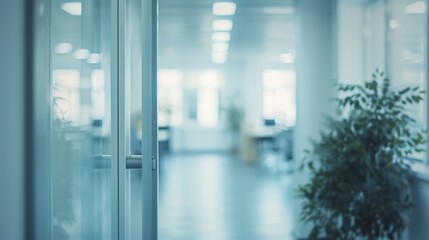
[(351, 42), (316, 72)]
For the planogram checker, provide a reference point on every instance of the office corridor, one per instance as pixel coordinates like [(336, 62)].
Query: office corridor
[(217, 196)]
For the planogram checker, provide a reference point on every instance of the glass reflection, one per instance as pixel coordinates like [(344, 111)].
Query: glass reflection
[(80, 120)]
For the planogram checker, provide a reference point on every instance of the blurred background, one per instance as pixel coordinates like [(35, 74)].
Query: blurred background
[(226, 111), (243, 87)]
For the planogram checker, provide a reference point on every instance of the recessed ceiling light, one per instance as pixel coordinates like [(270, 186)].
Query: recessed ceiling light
[(222, 25), (220, 46), (219, 54), (72, 8), (418, 7), (94, 58), (224, 8), (221, 36), (287, 57), (63, 48), (81, 54)]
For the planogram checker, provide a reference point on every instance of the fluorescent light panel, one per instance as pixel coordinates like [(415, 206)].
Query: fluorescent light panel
[(81, 53), (63, 48), (220, 46), (224, 8), (221, 36), (287, 57), (72, 8), (222, 25), (418, 7)]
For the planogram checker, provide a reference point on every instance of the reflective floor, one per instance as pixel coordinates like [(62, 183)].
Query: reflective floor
[(219, 197)]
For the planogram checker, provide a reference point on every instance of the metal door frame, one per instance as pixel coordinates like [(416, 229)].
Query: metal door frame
[(150, 123)]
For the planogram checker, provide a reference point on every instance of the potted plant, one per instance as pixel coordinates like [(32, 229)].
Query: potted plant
[(358, 185)]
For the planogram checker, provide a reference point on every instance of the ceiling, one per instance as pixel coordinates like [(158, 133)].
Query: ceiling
[(261, 28)]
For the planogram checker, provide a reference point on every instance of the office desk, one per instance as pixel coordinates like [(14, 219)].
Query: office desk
[(264, 136)]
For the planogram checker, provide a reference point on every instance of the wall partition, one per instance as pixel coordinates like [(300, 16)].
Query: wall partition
[(95, 102)]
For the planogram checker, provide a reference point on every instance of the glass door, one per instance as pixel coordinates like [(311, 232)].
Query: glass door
[(82, 127), (103, 167)]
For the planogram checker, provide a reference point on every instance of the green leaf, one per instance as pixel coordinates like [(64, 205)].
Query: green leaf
[(358, 175), (314, 234), (405, 90)]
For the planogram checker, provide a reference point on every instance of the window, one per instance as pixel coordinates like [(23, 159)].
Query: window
[(279, 96), (65, 94), (408, 51), (170, 97), (208, 107), (408, 48), (208, 98), (394, 40)]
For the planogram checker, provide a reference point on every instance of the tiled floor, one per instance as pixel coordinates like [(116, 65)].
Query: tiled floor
[(216, 196)]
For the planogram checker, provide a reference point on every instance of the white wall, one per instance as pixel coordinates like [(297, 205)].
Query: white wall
[(12, 148), (316, 71), (350, 42)]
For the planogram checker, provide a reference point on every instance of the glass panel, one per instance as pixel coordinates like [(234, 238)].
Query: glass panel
[(133, 74), (170, 97), (397, 45), (133, 116), (408, 48), (80, 119)]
